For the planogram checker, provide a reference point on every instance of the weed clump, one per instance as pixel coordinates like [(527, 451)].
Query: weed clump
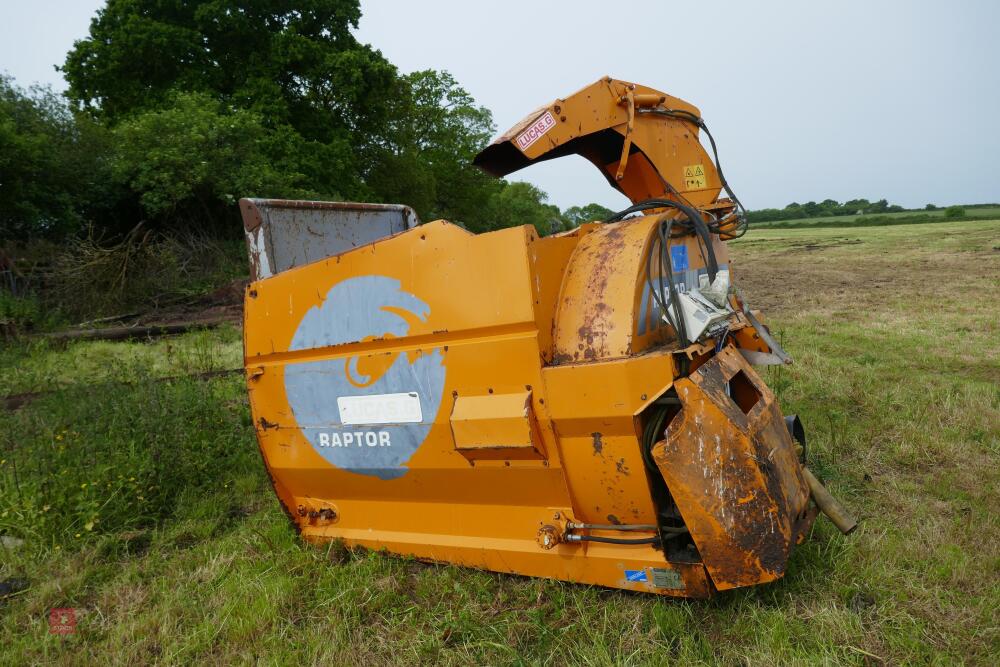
[(82, 462)]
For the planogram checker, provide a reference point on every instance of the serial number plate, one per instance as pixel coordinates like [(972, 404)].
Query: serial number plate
[(380, 409), (664, 578)]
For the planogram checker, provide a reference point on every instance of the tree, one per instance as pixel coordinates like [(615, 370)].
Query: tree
[(577, 215), (294, 64), (53, 166), (878, 207), (857, 205), (520, 203), (436, 130), (291, 76), (192, 156), (810, 209)]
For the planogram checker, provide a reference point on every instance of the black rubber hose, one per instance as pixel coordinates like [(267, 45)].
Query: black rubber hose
[(651, 435), (614, 526), (657, 290), (692, 221)]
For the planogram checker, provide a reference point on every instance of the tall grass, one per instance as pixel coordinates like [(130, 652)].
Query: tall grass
[(83, 462)]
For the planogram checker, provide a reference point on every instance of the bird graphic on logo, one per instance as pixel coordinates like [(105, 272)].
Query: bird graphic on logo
[(368, 413)]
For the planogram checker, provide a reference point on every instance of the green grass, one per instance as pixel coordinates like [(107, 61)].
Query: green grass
[(40, 364), (25, 312), (896, 375)]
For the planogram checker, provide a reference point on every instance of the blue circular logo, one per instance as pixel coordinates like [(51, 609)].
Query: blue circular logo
[(366, 414)]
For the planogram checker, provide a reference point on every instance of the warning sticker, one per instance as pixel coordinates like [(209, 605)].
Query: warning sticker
[(635, 575), (694, 177), (535, 131)]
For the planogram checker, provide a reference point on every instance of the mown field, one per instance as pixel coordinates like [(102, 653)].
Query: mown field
[(142, 503)]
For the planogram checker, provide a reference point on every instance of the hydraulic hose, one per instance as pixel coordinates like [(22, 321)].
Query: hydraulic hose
[(612, 540), (611, 526)]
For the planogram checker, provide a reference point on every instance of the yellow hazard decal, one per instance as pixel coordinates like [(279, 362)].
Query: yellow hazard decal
[(694, 177)]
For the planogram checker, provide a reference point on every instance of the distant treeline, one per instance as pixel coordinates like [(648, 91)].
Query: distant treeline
[(875, 212), (829, 208), (826, 208)]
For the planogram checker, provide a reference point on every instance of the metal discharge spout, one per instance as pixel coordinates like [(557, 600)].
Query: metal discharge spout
[(829, 505)]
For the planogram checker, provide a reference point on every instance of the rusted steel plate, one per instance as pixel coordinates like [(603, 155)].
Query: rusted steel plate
[(595, 317), (731, 467)]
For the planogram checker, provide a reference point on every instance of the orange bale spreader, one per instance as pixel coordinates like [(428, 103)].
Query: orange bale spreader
[(581, 406)]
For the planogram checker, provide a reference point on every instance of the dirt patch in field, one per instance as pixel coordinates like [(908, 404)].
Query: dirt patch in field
[(834, 277)]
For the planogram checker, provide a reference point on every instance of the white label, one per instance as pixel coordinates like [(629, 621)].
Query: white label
[(380, 409), (535, 131)]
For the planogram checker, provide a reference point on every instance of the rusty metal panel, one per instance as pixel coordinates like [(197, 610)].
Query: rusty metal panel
[(596, 306), (730, 465), (282, 234)]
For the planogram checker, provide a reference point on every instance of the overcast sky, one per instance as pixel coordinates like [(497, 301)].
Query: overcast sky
[(807, 100)]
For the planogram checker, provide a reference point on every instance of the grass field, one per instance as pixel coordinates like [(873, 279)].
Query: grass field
[(165, 537)]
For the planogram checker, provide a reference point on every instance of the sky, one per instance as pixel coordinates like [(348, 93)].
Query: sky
[(807, 100)]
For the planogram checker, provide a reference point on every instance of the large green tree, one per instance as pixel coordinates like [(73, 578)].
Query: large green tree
[(293, 63), (193, 156)]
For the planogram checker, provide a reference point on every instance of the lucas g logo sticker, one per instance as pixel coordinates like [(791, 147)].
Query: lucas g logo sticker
[(535, 131)]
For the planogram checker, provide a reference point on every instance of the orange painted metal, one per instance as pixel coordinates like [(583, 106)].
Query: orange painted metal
[(594, 122), (466, 398), (490, 298)]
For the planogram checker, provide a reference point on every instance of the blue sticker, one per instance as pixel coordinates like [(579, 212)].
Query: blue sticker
[(679, 258), (635, 575)]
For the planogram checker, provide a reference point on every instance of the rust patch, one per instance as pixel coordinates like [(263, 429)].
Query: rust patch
[(600, 319), (598, 444), (613, 520), (561, 358)]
